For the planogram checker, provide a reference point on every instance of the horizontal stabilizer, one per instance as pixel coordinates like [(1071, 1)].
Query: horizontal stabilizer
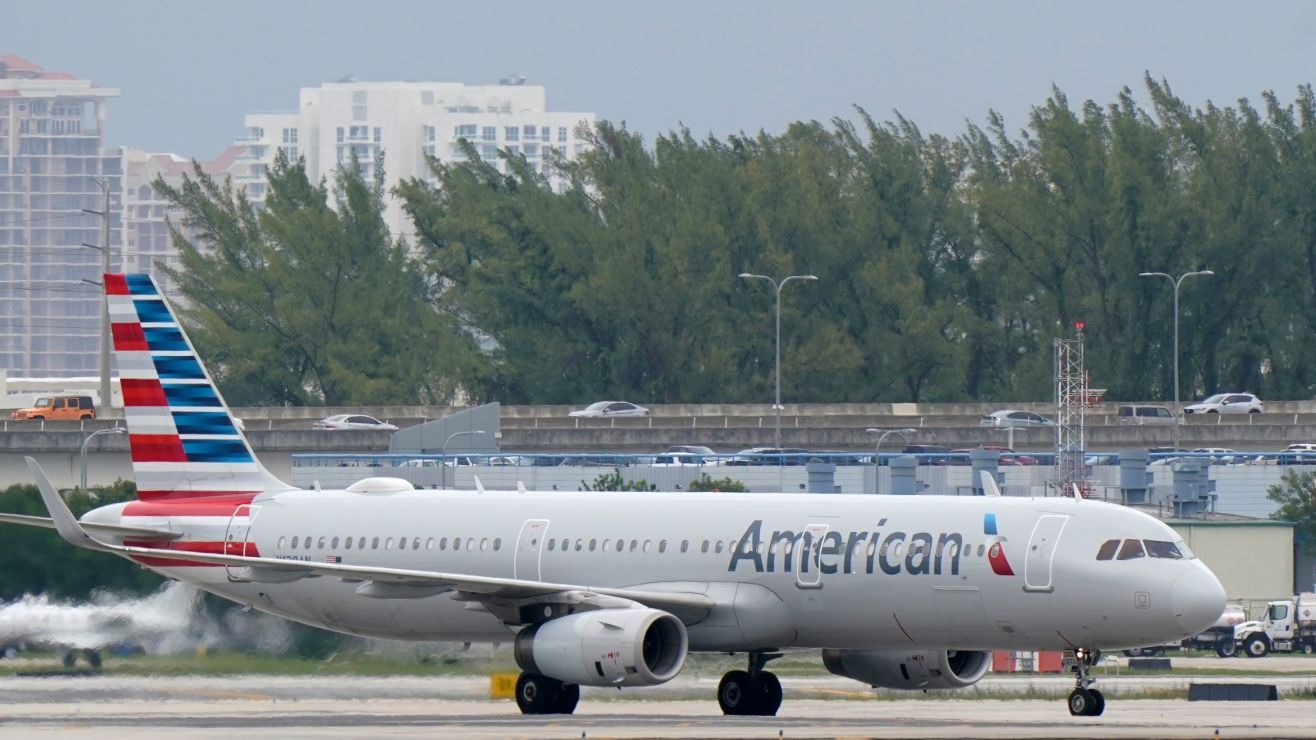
[(107, 530)]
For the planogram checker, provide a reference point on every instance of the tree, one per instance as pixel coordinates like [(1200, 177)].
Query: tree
[(615, 482), (1296, 496), (705, 483), (296, 303)]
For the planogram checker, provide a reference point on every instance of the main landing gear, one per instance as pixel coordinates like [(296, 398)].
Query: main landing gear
[(754, 692), (536, 694), (1085, 701)]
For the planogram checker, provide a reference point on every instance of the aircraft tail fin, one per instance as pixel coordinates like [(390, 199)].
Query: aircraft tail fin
[(184, 440)]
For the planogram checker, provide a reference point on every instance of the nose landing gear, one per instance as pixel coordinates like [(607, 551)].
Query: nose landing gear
[(1085, 701)]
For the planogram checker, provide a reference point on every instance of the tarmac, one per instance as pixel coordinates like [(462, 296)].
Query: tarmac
[(318, 707)]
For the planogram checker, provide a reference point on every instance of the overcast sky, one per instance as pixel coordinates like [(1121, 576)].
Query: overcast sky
[(188, 71)]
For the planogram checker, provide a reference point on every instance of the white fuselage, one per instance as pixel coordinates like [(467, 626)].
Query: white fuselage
[(787, 570)]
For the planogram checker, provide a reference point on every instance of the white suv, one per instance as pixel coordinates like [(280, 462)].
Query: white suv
[(1227, 403)]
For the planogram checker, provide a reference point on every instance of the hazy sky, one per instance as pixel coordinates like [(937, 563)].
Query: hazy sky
[(189, 71)]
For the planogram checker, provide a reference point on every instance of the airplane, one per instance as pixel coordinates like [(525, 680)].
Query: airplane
[(616, 589)]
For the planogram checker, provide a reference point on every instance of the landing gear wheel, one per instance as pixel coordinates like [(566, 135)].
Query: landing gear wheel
[(1098, 702), (1256, 647), (1226, 648), (1081, 702), (536, 694), (770, 694), (738, 694)]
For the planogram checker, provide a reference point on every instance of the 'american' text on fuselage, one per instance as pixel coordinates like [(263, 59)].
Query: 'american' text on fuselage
[(835, 551)]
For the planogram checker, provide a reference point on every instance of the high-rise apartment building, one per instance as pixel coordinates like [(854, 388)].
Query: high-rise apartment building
[(53, 166), (407, 121)]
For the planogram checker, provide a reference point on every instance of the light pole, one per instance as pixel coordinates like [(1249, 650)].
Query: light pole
[(105, 403), (1176, 283), (877, 448), (90, 437), (444, 452), (776, 405)]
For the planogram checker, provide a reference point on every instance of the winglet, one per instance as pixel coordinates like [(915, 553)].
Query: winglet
[(989, 487), (1078, 492), (65, 523)]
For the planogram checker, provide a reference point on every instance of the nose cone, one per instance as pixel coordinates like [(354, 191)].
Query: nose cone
[(1198, 599)]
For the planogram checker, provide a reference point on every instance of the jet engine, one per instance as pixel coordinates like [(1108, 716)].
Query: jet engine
[(896, 669), (607, 647)]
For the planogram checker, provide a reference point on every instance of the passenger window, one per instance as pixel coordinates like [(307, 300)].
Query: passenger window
[(374, 544), (593, 543), (293, 542), (550, 544), (320, 544), (580, 544), (347, 542), (621, 545), (1131, 550), (333, 544), (704, 547), (645, 546), (429, 544), (388, 543), (717, 546), (470, 544), (443, 543), (306, 543), (662, 546), (498, 544), (484, 543), (634, 544), (1108, 548), (685, 545), (872, 548), (1162, 549), (607, 545), (361, 543), (281, 541), (402, 543), (415, 543), (980, 550)]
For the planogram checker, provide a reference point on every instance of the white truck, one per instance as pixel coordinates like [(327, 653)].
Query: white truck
[(1289, 626), (1219, 637)]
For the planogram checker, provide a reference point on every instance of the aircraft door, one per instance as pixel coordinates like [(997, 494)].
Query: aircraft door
[(809, 572), (1041, 551), (529, 547), (235, 537)]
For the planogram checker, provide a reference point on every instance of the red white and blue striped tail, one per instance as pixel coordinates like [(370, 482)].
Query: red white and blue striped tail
[(184, 441)]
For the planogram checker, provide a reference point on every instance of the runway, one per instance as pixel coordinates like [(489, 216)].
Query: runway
[(334, 707)]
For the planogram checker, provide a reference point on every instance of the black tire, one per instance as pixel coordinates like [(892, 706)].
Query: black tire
[(738, 694), (1081, 702), (68, 660), (1134, 652), (93, 658), (1226, 648), (1307, 648), (536, 694), (1256, 646), (769, 694), (1098, 703)]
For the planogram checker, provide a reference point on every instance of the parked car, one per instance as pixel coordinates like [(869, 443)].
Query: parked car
[(1227, 403), (929, 454), (770, 456), (1015, 418), (353, 421), (610, 408), (1140, 415)]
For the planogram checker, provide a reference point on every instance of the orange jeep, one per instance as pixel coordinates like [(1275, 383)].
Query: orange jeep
[(58, 407)]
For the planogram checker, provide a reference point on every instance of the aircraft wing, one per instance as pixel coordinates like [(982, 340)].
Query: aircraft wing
[(502, 596), (112, 530)]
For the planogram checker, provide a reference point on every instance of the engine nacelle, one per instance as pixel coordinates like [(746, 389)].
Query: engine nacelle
[(924, 669), (607, 647)]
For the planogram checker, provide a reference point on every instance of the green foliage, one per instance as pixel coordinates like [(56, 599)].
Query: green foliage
[(704, 483), (615, 482), (35, 560), (297, 302), (1296, 496), (947, 266)]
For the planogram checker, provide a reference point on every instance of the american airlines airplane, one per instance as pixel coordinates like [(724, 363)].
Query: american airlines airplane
[(615, 589)]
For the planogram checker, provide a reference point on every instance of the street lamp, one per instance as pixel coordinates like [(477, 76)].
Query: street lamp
[(877, 448), (444, 452), (1176, 283), (90, 437), (778, 285)]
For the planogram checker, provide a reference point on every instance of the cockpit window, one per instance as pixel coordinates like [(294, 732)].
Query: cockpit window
[(1132, 549), (1162, 549), (1184, 550), (1108, 549)]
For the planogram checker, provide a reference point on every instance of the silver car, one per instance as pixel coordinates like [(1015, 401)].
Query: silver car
[(1227, 403), (610, 408), (1014, 418)]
